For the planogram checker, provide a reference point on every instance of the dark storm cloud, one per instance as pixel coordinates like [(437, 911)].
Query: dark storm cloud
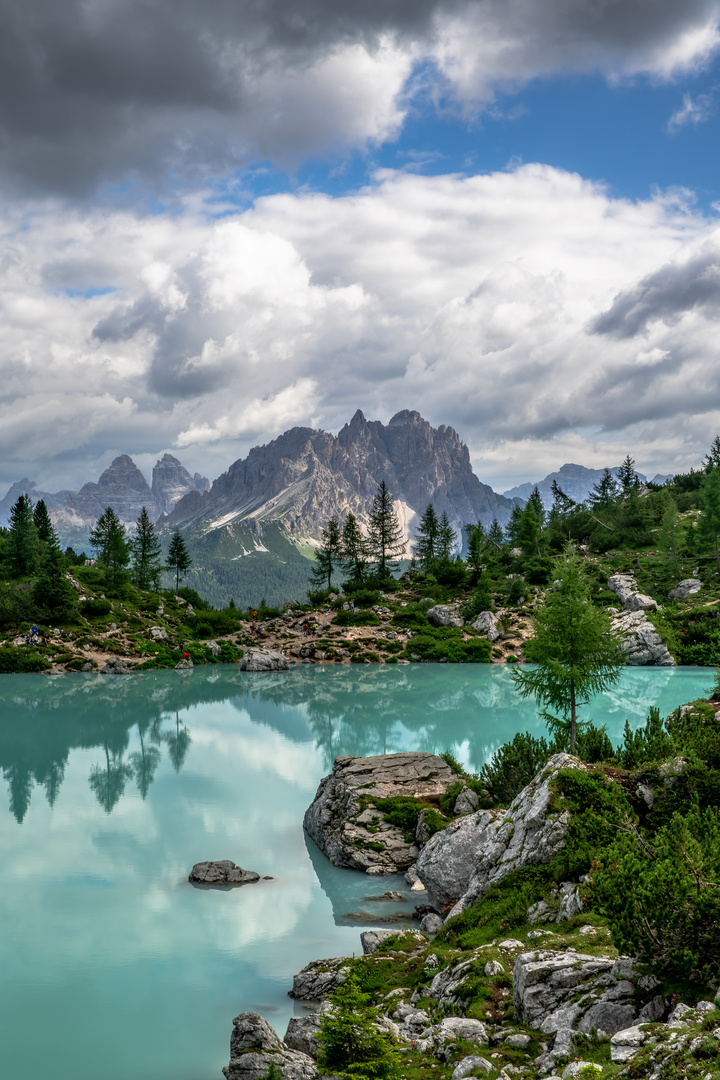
[(95, 92), (666, 294)]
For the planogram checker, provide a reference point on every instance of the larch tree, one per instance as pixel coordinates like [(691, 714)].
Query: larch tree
[(574, 650)]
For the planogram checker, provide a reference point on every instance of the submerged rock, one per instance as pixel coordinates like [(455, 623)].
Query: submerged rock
[(223, 872), (348, 828)]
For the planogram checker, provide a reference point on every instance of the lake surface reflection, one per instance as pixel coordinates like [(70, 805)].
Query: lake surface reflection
[(114, 786)]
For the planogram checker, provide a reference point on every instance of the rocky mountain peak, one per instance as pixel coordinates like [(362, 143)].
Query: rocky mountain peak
[(171, 481)]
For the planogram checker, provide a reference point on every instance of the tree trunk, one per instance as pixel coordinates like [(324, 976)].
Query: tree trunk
[(573, 718)]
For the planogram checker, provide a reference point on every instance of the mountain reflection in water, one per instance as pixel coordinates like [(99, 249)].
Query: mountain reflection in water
[(470, 710)]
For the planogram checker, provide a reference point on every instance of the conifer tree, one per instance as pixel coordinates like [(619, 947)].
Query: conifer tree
[(627, 477), (354, 549), (605, 493), (329, 555), (146, 551), (385, 536), (178, 559), (477, 542), (43, 524), (712, 459), (670, 531), (575, 652), (562, 503), (710, 520), (445, 539), (109, 542), (23, 544), (51, 589), (495, 534), (351, 1043), (426, 539)]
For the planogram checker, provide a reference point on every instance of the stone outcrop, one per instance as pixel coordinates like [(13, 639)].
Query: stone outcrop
[(223, 872), (115, 665), (344, 822), (485, 624), (263, 660), (448, 860), (445, 615), (254, 1046), (642, 644), (319, 978), (565, 994), (486, 846), (685, 588)]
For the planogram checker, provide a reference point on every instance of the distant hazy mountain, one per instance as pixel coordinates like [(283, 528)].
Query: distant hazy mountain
[(575, 480), (121, 486)]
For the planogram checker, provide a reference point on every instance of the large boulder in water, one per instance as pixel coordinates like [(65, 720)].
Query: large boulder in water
[(347, 826), (222, 872)]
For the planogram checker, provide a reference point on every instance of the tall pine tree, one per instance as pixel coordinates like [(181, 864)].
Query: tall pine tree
[(43, 524), (426, 538), (52, 592), (446, 539), (328, 556), (178, 560), (385, 539), (354, 551), (146, 551), (23, 543)]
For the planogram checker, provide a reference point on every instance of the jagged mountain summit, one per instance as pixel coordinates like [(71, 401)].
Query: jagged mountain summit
[(576, 481), (306, 475), (121, 486)]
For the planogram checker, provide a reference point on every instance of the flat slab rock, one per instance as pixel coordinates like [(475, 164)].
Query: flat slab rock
[(350, 830), (222, 872)]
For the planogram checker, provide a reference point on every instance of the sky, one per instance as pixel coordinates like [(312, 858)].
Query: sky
[(222, 219)]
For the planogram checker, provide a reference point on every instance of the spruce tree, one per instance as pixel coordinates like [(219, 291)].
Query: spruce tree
[(426, 539), (670, 531), (51, 589), (329, 555), (605, 493), (710, 520), (146, 551), (477, 542), (445, 539), (627, 477), (712, 459), (495, 535), (22, 547), (43, 524), (178, 559), (385, 535), (575, 652), (354, 551), (104, 536)]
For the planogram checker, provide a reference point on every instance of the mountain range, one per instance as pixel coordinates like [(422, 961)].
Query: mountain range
[(252, 531), (576, 481)]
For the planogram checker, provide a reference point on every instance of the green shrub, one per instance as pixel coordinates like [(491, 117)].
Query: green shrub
[(23, 659), (356, 618), (365, 598), (598, 807), (95, 608), (513, 766), (446, 643), (413, 619), (400, 811), (204, 630), (350, 1042), (661, 895), (228, 653), (502, 908), (648, 743)]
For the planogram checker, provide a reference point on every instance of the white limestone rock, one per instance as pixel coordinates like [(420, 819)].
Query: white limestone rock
[(687, 587), (445, 615), (448, 860), (263, 660), (529, 833), (625, 1044)]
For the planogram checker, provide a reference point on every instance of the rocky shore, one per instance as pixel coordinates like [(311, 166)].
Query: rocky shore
[(549, 997)]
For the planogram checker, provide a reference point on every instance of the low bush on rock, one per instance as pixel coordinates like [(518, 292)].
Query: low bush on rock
[(95, 608), (357, 618), (512, 767)]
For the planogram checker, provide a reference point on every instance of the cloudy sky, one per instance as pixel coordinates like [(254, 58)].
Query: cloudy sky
[(220, 219)]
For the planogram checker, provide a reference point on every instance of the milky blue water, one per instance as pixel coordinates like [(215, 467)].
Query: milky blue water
[(111, 964)]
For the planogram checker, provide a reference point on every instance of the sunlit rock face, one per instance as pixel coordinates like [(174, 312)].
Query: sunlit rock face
[(171, 480)]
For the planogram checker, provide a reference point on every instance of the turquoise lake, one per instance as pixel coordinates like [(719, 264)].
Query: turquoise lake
[(112, 965)]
